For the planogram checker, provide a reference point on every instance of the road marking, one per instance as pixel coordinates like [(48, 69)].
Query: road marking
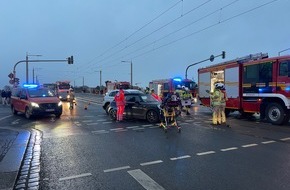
[(136, 129), (285, 139), (229, 149), (147, 182), (101, 120), (116, 129), (268, 142), (87, 121), (15, 122), (147, 125), (100, 131), (5, 117), (121, 130), (117, 169), (180, 157), (154, 127), (92, 123), (249, 145), (132, 127), (107, 122), (205, 153), (75, 176), (150, 163)]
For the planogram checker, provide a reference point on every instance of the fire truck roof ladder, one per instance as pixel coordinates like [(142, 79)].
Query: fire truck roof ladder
[(252, 57)]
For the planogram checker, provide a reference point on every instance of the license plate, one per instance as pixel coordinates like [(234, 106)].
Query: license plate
[(49, 110)]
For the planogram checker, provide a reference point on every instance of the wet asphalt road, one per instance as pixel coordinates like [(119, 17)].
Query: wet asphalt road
[(84, 149)]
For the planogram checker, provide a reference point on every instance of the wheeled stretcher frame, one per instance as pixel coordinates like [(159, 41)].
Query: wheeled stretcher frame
[(169, 115)]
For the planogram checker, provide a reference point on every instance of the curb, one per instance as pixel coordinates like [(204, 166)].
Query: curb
[(11, 163)]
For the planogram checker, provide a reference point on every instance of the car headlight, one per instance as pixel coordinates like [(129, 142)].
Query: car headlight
[(60, 97), (59, 104), (33, 104), (67, 96)]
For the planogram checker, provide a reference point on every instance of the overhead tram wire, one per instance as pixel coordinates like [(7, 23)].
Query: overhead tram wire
[(174, 20), (223, 21), (199, 19), (145, 25)]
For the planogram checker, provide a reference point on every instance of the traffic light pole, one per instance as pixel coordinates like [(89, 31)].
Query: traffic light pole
[(211, 58), (69, 60)]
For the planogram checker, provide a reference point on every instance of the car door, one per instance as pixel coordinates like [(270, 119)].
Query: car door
[(134, 107)]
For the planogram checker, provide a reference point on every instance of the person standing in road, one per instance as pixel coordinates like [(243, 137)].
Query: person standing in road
[(155, 95), (186, 98), (71, 98), (215, 101), (120, 102), (3, 97)]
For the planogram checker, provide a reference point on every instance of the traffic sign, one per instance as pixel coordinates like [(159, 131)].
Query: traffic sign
[(11, 75), (11, 81)]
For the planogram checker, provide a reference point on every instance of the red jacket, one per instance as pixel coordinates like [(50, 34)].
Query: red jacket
[(120, 98)]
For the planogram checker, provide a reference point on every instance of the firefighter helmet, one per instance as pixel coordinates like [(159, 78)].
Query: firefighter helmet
[(219, 85)]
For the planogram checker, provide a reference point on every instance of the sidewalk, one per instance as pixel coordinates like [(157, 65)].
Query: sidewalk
[(13, 143)]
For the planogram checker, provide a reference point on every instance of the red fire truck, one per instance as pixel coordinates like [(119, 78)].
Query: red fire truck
[(254, 84), (163, 86), (117, 85)]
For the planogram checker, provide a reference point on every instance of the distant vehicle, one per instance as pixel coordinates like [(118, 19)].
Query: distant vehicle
[(109, 97), (163, 86), (33, 100), (117, 85), (138, 106), (62, 89), (253, 83), (51, 86)]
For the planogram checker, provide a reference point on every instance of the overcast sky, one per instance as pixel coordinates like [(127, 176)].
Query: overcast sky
[(160, 37)]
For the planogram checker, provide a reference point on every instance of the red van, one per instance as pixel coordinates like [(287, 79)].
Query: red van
[(33, 100)]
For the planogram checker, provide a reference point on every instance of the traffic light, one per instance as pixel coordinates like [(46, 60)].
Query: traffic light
[(70, 60), (16, 81), (223, 54)]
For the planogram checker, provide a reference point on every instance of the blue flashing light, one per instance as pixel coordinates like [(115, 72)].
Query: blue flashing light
[(30, 85), (260, 90), (287, 88), (177, 79)]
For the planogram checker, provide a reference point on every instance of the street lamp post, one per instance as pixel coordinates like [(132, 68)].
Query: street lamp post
[(27, 56), (100, 78), (131, 71), (279, 53)]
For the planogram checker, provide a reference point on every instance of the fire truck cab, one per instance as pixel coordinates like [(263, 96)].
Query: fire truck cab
[(254, 84)]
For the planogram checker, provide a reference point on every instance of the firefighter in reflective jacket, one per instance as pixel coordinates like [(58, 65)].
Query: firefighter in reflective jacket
[(215, 101), (186, 98), (224, 98)]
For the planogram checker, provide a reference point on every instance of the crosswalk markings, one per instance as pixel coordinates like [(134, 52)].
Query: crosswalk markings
[(147, 182)]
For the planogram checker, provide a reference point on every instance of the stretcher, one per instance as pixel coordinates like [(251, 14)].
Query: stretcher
[(169, 113)]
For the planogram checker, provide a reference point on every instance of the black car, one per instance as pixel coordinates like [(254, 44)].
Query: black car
[(138, 106)]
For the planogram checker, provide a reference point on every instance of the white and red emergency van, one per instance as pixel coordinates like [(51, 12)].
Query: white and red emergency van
[(254, 84)]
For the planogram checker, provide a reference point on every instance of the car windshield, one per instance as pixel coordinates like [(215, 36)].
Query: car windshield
[(148, 98), (40, 92)]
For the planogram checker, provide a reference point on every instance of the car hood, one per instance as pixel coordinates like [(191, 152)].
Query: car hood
[(41, 100)]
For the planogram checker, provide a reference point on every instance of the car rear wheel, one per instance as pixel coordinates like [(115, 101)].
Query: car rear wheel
[(113, 114), (27, 113), (152, 116)]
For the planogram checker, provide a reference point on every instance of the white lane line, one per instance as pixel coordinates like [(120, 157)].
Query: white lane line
[(229, 149), (154, 127), (147, 125), (268, 142), (107, 122), (116, 129), (147, 182), (205, 153), (75, 176), (180, 157), (122, 130), (92, 123), (132, 127), (150, 163), (249, 145), (100, 132), (87, 121), (5, 117), (117, 169), (101, 120), (285, 139)]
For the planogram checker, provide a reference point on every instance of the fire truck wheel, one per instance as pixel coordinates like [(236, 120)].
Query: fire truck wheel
[(275, 114)]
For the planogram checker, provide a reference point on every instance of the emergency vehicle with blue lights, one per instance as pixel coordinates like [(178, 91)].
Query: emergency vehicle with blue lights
[(254, 84), (34, 100), (62, 89), (163, 86)]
